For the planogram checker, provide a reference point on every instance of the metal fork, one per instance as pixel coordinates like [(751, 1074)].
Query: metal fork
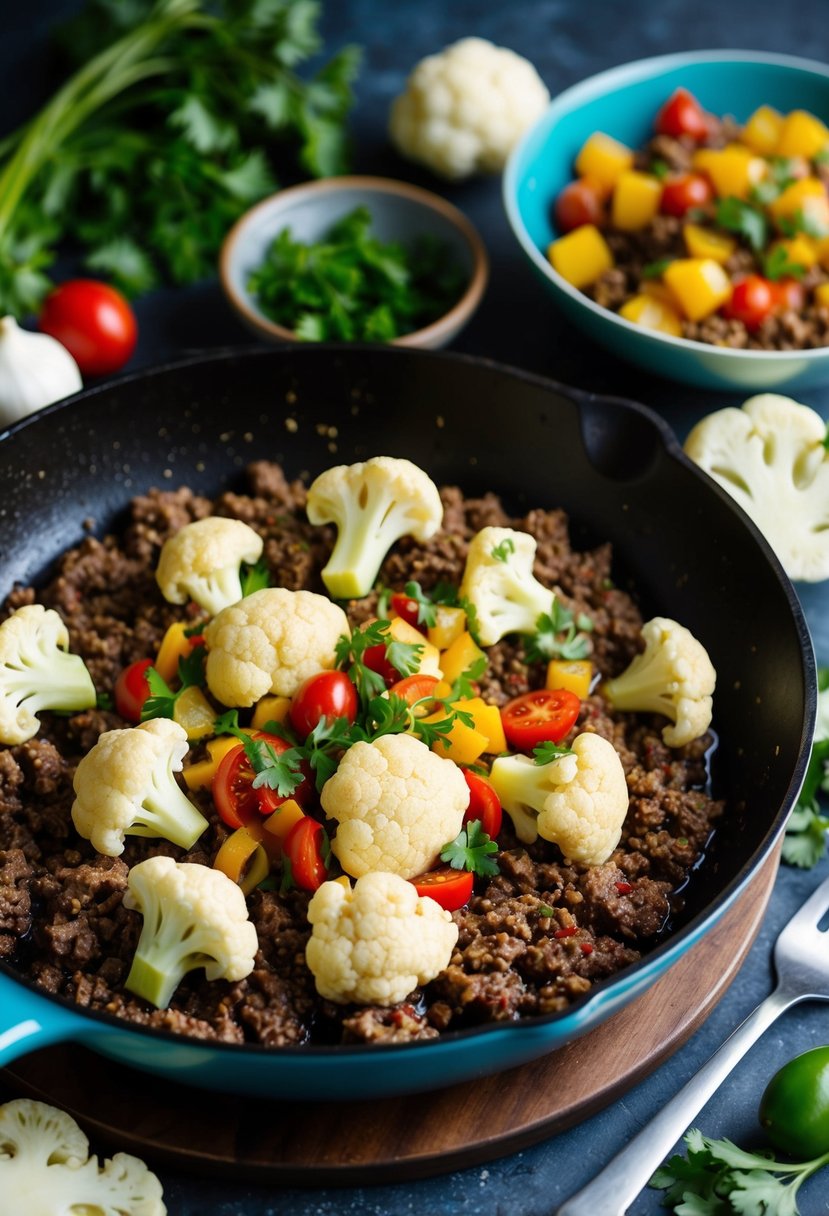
[(801, 960)]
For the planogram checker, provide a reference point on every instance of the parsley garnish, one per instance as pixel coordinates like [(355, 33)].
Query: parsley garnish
[(286, 883), (777, 265), (404, 657), (559, 635), (502, 552), (103, 700), (545, 910), (255, 578), (161, 702), (804, 842), (655, 270), (745, 220), (547, 752), (801, 221), (471, 850), (660, 168), (826, 439)]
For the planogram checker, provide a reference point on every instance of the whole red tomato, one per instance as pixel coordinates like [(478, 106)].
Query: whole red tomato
[(682, 115), (752, 299), (579, 203), (328, 694), (94, 322), (681, 194)]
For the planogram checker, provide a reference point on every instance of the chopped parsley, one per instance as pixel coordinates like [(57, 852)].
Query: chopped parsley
[(559, 635), (472, 850), (804, 842), (777, 265), (161, 702), (744, 219), (547, 752), (255, 578)]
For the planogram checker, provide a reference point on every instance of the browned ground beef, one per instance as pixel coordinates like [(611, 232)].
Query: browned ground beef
[(531, 940)]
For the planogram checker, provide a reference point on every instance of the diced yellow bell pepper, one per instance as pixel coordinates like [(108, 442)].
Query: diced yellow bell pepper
[(462, 743), (603, 159), (635, 201), (705, 243), (700, 285), (277, 826), (800, 249), (243, 860), (270, 709), (802, 135), (806, 198), (823, 252), (198, 776), (655, 289), (652, 313), (822, 295), (449, 625), (573, 674), (194, 712), (763, 130), (401, 631), (733, 170), (487, 720), (174, 646), (582, 256), (459, 657)]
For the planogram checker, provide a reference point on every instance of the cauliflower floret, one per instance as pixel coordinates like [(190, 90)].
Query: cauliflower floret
[(194, 916), (374, 943), (498, 581), (464, 109), (397, 804), (673, 676), (201, 562), (36, 672), (578, 801), (770, 457), (45, 1167), (125, 786), (373, 504), (270, 642)]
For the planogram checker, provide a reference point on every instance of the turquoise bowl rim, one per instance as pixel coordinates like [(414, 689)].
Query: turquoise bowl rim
[(610, 81)]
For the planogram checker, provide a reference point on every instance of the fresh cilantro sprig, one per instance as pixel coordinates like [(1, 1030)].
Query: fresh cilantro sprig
[(717, 1178), (426, 607), (655, 270), (777, 264), (804, 842), (472, 850), (255, 578), (350, 654), (559, 635), (161, 702), (744, 219), (547, 752), (277, 770)]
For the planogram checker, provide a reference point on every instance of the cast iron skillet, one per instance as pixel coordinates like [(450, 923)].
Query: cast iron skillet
[(680, 544)]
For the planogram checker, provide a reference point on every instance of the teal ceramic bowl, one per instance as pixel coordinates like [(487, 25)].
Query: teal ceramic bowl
[(622, 102)]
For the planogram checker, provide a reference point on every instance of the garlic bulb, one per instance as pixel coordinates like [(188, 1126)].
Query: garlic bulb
[(35, 370)]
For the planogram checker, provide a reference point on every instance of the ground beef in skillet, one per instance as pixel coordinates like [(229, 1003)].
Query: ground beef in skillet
[(532, 940)]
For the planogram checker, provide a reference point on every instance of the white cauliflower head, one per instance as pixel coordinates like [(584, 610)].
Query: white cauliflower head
[(375, 943), (46, 1170), (373, 504), (578, 801), (464, 109), (201, 562), (397, 804), (194, 916), (37, 672), (270, 642), (770, 457), (498, 581), (673, 676), (125, 786)]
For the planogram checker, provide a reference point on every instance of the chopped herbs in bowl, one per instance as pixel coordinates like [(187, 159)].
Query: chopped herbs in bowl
[(355, 259)]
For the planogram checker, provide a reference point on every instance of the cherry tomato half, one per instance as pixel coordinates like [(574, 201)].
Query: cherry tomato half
[(449, 888), (408, 609), (484, 804), (237, 799), (94, 322), (788, 294), (303, 848), (414, 688), (374, 657), (131, 690), (544, 715), (752, 300), (681, 194), (682, 115), (328, 694), (794, 1108), (580, 202)]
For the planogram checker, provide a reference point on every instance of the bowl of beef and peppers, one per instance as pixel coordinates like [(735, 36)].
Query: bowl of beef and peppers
[(678, 207), (313, 753)]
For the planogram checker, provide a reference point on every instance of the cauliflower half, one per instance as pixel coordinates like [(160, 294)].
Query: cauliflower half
[(270, 642), (464, 109), (673, 676), (201, 562), (770, 457), (375, 943), (498, 581), (397, 804), (578, 802), (36, 672)]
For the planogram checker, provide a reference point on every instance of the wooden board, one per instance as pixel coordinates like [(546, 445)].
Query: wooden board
[(346, 1144)]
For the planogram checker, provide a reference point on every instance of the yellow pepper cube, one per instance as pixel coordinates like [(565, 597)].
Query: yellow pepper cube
[(459, 657), (603, 159), (575, 675), (797, 197), (462, 743), (802, 135), (800, 250), (700, 285), (652, 313), (582, 256), (199, 775), (449, 625), (636, 198), (763, 130), (705, 243), (429, 660), (174, 646), (822, 247), (487, 720), (822, 295), (194, 712), (733, 170), (270, 709), (277, 826)]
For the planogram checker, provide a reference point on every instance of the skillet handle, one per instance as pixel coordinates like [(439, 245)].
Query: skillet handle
[(29, 1021)]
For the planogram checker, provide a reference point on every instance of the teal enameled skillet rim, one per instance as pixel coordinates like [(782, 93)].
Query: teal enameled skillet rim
[(617, 468)]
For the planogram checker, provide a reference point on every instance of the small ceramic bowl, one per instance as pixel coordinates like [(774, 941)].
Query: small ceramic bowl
[(623, 102), (399, 212)]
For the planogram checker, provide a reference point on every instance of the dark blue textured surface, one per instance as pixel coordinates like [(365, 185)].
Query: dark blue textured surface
[(517, 325)]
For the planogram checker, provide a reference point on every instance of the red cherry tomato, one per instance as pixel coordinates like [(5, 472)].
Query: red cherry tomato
[(408, 609), (788, 294), (579, 203), (484, 804), (449, 888), (752, 300), (237, 799), (545, 715), (303, 848), (414, 688), (132, 690), (681, 194), (94, 322), (682, 115), (328, 694), (374, 657)]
